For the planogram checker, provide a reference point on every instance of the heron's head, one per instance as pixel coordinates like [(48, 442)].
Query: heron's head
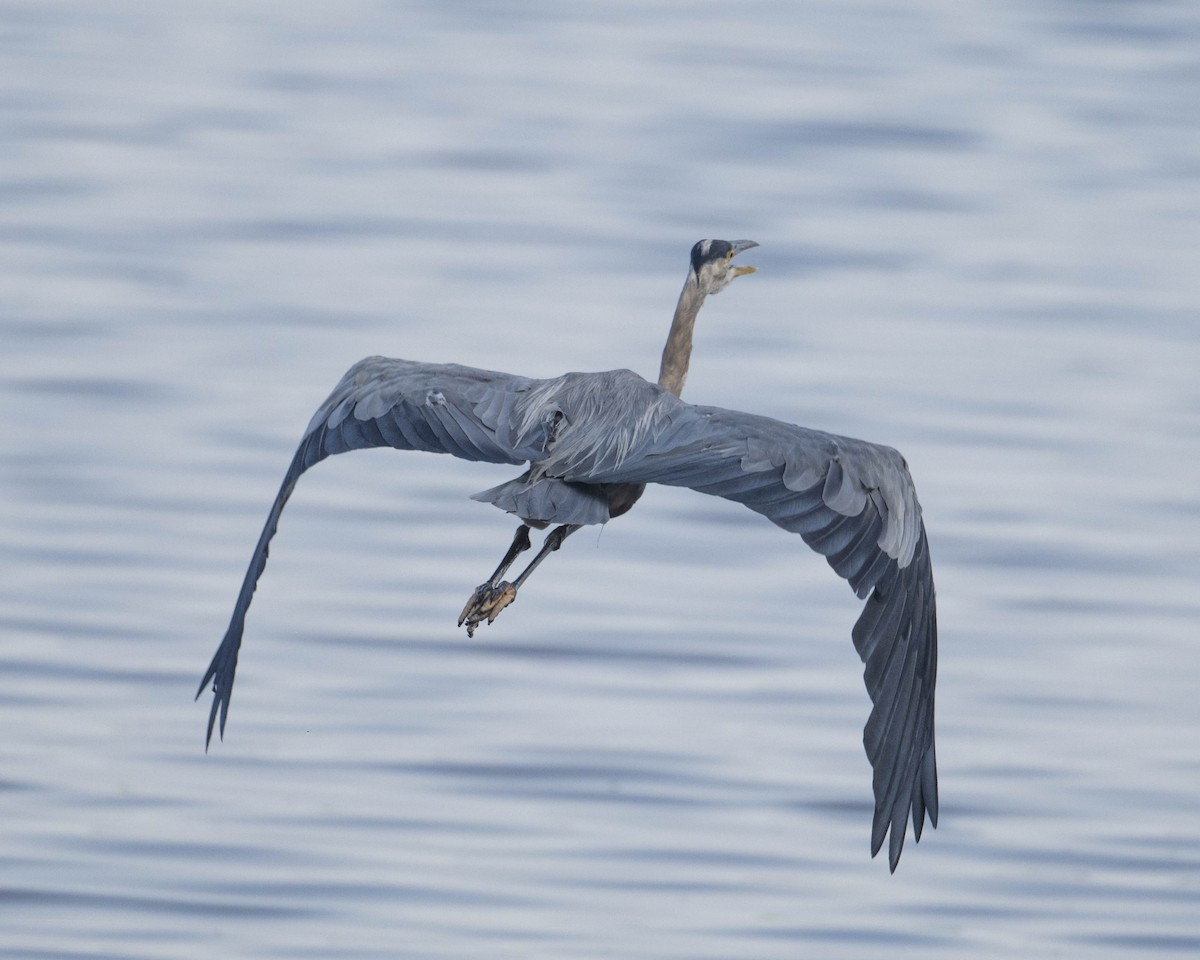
[(712, 263)]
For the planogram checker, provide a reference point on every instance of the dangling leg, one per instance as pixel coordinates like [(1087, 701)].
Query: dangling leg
[(486, 594), (553, 541), (492, 597)]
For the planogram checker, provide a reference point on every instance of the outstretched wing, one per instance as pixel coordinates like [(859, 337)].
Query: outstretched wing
[(438, 408), (855, 503)]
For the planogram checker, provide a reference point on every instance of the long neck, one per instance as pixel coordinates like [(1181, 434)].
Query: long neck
[(678, 351)]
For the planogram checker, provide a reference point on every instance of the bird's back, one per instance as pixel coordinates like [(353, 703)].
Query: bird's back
[(593, 420)]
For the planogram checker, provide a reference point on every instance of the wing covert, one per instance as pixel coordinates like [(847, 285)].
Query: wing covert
[(434, 407)]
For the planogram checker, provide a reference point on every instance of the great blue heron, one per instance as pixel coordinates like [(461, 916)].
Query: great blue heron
[(594, 440)]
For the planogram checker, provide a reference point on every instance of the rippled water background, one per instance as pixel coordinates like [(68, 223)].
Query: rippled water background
[(979, 228)]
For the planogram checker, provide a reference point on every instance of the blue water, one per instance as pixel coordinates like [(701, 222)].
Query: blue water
[(979, 226)]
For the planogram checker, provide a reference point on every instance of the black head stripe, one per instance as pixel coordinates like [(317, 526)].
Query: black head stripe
[(708, 250)]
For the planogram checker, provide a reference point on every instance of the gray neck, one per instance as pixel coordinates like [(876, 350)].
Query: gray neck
[(678, 351)]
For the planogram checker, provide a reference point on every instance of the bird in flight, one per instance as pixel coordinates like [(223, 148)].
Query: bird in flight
[(591, 443)]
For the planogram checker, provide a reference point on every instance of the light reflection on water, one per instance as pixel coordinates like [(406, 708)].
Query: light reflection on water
[(977, 229)]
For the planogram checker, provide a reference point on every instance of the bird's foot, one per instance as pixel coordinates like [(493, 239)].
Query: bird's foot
[(486, 603)]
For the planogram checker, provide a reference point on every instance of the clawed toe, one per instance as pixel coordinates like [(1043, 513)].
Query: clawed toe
[(486, 603)]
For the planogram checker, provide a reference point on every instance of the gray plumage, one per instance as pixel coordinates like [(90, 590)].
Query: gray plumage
[(586, 435)]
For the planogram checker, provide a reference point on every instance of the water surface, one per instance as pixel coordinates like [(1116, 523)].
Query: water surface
[(978, 227)]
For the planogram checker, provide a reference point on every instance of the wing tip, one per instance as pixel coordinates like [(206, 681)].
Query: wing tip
[(220, 674)]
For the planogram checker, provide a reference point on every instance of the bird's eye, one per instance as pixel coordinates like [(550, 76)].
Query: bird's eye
[(729, 255)]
